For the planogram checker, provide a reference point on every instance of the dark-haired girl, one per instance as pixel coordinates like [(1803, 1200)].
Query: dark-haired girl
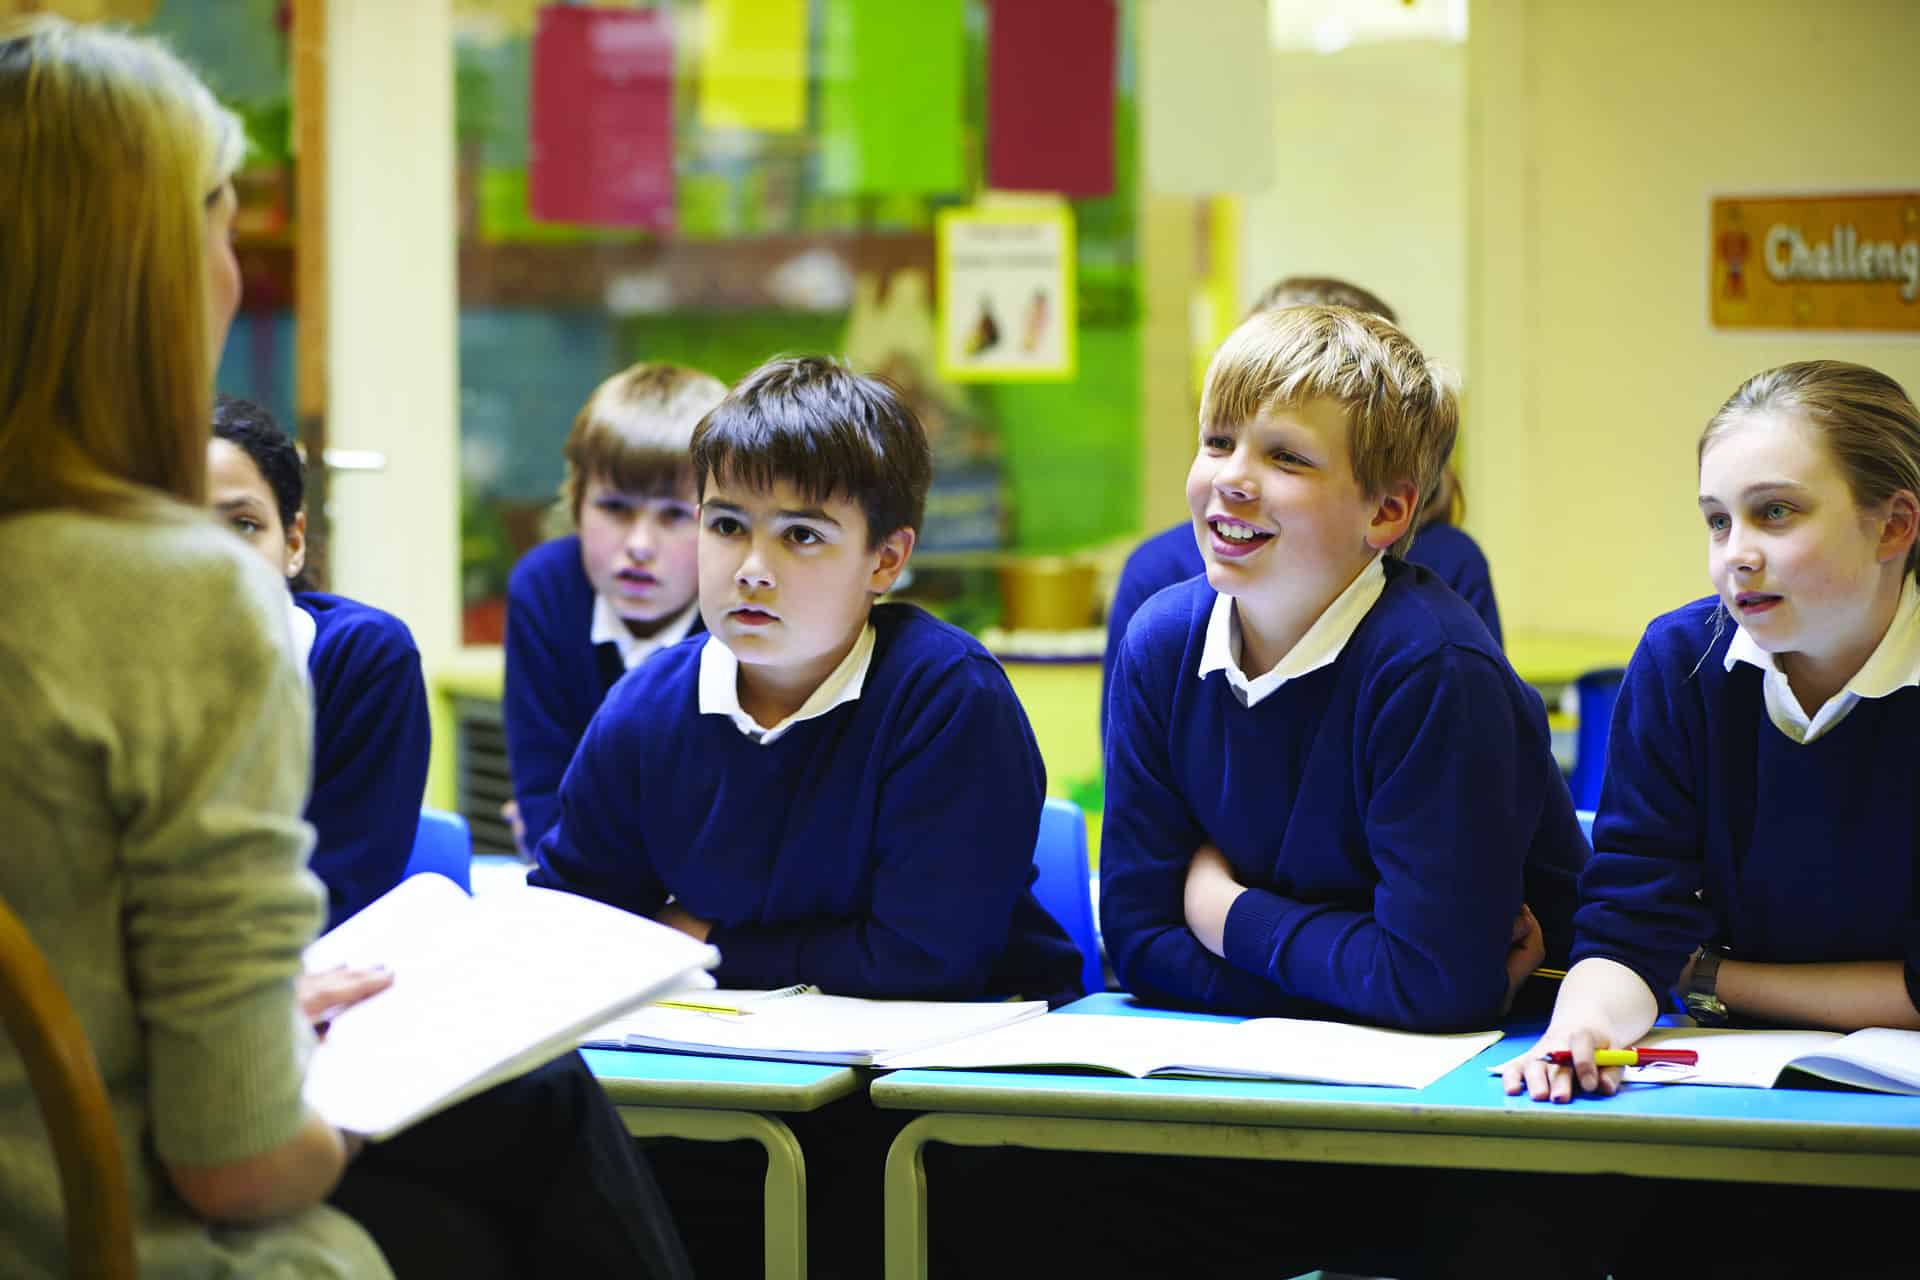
[(369, 700)]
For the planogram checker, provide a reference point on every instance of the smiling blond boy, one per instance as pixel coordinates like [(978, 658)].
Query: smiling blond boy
[(1328, 794)]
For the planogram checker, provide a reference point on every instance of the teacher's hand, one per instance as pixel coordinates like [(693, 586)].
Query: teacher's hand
[(325, 994)]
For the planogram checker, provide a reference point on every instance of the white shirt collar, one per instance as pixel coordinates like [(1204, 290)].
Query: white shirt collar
[(1319, 646), (304, 629), (609, 629), (720, 687), (1894, 665)]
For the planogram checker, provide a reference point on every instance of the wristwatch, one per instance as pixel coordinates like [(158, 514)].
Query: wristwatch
[(1703, 1003)]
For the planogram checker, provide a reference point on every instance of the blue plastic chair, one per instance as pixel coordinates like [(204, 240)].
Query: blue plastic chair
[(443, 844), (1597, 691), (1063, 886)]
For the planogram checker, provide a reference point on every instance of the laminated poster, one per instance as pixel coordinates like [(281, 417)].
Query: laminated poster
[(1006, 304)]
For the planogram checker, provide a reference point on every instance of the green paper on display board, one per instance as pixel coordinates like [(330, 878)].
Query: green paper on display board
[(892, 92)]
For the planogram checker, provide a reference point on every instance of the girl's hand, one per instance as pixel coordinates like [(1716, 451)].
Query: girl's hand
[(324, 995), (1602, 1005), (1543, 1080)]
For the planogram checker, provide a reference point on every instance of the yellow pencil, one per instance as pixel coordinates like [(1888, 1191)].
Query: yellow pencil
[(694, 1006)]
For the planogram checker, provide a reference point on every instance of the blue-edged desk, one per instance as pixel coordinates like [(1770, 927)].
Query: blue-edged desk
[(1464, 1120), (673, 1095)]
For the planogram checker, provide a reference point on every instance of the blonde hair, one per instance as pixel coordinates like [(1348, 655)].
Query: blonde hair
[(635, 431), (1867, 419), (1401, 414), (1443, 501), (111, 147)]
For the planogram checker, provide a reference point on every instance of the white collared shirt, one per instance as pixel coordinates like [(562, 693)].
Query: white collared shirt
[(609, 629), (720, 687), (304, 629), (1319, 646), (1893, 666)]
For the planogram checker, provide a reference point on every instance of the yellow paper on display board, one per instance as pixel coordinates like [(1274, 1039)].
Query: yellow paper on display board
[(84, 10), (753, 65), (1007, 307), (1822, 262)]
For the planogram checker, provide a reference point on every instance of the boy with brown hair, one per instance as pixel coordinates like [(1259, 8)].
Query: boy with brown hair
[(828, 789)]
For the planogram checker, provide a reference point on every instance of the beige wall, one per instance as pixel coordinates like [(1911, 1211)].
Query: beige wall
[(393, 380), (1596, 135), (1369, 157), (1371, 182)]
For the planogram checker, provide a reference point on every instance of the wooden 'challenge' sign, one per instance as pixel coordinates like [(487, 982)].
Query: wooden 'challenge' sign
[(1816, 262)]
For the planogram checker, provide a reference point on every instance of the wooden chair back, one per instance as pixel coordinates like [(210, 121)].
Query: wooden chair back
[(73, 1103)]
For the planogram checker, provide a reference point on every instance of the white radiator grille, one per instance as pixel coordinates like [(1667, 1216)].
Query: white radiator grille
[(482, 783)]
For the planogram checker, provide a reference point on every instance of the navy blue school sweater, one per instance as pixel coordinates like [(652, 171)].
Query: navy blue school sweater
[(882, 849), (1456, 559), (1388, 812), (1172, 556), (1715, 827), (556, 676), (370, 742)]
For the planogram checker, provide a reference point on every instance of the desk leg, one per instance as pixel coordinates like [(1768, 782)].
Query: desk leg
[(906, 1200), (906, 1176), (786, 1188)]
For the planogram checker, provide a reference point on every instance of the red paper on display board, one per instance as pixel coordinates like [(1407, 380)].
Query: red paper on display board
[(1050, 67), (600, 149)]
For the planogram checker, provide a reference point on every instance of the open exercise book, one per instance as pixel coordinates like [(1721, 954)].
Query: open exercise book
[(799, 1024), (1878, 1058), (1258, 1049), (484, 989)]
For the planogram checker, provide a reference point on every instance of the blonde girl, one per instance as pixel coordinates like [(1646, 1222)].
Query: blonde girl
[(152, 796)]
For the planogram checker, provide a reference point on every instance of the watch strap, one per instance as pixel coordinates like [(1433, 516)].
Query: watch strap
[(1702, 997)]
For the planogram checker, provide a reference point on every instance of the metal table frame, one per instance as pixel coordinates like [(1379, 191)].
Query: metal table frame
[(1463, 1121), (666, 1095)]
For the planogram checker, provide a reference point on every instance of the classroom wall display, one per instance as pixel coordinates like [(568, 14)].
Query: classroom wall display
[(1007, 309), (1050, 73), (1834, 262), (818, 237), (893, 90), (753, 65), (600, 147)]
